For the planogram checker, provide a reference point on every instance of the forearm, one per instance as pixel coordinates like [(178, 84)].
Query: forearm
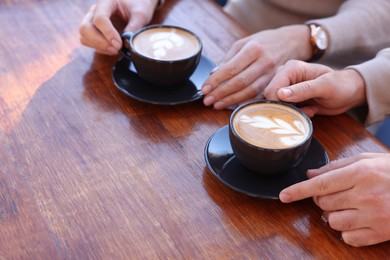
[(376, 76), (358, 26)]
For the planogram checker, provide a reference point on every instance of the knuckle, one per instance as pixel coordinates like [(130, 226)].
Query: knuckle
[(305, 87), (230, 70), (269, 61), (255, 48), (333, 165), (340, 225), (242, 81), (322, 202), (253, 90), (98, 20), (375, 198), (321, 185)]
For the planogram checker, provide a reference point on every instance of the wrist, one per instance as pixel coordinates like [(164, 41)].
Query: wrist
[(358, 82), (298, 37)]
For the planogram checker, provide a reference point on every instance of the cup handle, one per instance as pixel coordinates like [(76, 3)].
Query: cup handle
[(126, 37)]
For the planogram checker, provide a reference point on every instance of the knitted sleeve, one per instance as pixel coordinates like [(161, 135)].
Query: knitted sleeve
[(360, 26), (376, 74)]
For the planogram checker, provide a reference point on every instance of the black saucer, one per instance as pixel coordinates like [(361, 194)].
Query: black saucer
[(126, 79), (225, 166)]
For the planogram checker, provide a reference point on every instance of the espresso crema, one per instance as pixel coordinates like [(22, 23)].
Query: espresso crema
[(271, 126), (166, 44)]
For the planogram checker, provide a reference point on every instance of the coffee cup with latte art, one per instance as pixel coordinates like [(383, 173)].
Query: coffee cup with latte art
[(269, 137), (163, 55)]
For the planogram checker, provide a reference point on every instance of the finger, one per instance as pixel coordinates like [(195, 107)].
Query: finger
[(237, 84), (243, 95), (285, 76), (337, 164), (362, 237), (310, 111), (292, 72), (91, 37), (102, 21), (228, 70), (331, 182), (346, 220), (336, 201), (208, 87)]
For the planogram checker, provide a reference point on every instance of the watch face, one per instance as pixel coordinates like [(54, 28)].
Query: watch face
[(322, 40)]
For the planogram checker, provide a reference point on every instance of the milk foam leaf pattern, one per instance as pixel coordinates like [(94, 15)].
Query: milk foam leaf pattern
[(258, 121), (277, 125), (291, 140)]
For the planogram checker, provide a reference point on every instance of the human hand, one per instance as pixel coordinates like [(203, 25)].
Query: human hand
[(251, 63), (97, 30), (317, 88), (356, 194)]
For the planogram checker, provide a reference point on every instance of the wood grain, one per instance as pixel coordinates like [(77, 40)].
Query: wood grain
[(89, 173)]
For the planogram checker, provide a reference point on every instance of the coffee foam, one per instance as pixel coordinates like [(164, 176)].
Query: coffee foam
[(271, 126), (166, 44)]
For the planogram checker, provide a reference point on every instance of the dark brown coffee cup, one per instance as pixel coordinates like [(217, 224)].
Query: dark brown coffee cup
[(163, 55), (269, 137)]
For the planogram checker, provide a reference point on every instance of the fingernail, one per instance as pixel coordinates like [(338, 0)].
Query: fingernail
[(116, 44), (206, 89), (112, 50), (287, 92), (285, 197), (219, 105), (209, 100)]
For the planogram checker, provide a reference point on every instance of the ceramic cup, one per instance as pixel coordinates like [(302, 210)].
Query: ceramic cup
[(163, 55), (269, 137)]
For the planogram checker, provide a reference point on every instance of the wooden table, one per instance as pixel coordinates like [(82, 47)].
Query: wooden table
[(88, 173)]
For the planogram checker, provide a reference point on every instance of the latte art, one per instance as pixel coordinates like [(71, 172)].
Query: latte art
[(288, 134), (271, 126), (163, 42), (166, 44)]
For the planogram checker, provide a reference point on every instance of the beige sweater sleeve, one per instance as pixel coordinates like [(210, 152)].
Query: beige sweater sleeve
[(360, 26), (376, 74)]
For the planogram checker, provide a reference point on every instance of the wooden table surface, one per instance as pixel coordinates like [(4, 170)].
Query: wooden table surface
[(87, 172)]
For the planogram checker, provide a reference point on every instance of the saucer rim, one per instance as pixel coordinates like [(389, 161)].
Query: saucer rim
[(228, 184), (198, 95)]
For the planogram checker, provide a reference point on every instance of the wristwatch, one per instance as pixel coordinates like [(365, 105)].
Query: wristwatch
[(319, 41)]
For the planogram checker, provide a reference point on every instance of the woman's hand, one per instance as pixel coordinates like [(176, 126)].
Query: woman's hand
[(98, 31), (252, 62)]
